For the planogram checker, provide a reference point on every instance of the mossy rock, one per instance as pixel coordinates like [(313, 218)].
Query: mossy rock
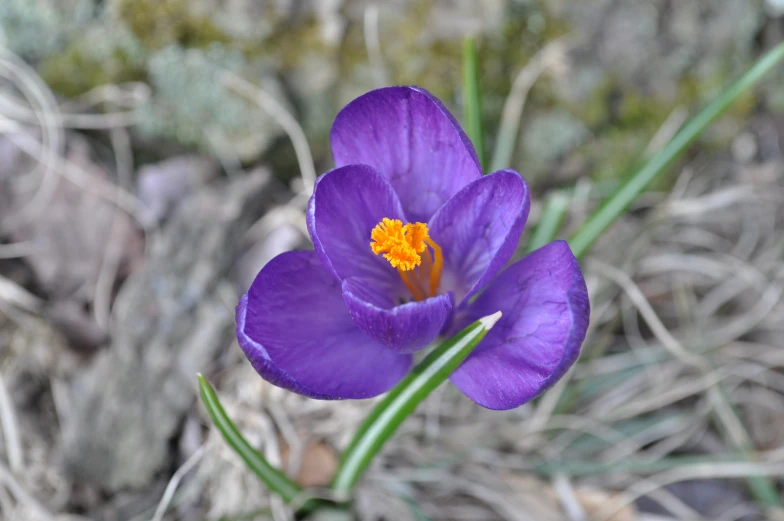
[(161, 23), (608, 105), (101, 56)]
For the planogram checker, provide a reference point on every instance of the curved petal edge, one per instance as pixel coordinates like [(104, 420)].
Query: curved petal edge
[(297, 334), (405, 328), (347, 203), (408, 135), (479, 229), (546, 311)]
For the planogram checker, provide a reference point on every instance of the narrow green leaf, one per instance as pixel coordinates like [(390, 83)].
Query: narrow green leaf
[(404, 398), (416, 510), (607, 213), (472, 95), (272, 477), (256, 515), (549, 223), (594, 468), (762, 487)]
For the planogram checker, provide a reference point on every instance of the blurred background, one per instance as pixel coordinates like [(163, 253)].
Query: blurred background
[(154, 154)]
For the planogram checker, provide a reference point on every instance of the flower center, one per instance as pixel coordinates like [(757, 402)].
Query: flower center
[(406, 248)]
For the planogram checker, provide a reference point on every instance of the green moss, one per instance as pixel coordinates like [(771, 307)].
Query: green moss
[(435, 64), (698, 91), (73, 73), (624, 119), (614, 105), (288, 45), (413, 55), (620, 120), (615, 153), (99, 57), (631, 125), (160, 23), (594, 111)]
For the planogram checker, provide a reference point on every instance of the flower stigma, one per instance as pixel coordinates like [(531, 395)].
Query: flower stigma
[(406, 248)]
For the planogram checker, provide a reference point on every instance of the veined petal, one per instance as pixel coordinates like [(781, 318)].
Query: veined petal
[(478, 230), (545, 317), (411, 139), (347, 203), (297, 333), (405, 328)]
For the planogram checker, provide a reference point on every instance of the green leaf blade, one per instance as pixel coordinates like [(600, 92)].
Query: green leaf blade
[(269, 475), (472, 95), (624, 196), (401, 401)]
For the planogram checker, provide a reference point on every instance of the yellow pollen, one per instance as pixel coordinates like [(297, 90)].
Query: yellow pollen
[(415, 236), (401, 245)]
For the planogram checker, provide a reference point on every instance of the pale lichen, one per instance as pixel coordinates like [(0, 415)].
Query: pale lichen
[(38, 29), (192, 106)]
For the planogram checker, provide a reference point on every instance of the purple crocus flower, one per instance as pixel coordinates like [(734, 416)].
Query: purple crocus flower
[(409, 239)]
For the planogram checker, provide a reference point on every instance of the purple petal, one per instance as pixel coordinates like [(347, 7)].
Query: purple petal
[(405, 328), (411, 139), (478, 230), (545, 316), (297, 333), (347, 203)]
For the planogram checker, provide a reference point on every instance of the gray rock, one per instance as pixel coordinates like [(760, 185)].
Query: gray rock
[(775, 7), (172, 319), (66, 226), (710, 498), (162, 186), (652, 44), (548, 137)]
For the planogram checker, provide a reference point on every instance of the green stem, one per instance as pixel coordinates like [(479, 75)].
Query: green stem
[(473, 100), (401, 401), (272, 477), (607, 213)]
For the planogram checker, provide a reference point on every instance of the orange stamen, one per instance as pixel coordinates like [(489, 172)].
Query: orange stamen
[(438, 265), (404, 246), (416, 234), (425, 269), (412, 286), (400, 244)]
